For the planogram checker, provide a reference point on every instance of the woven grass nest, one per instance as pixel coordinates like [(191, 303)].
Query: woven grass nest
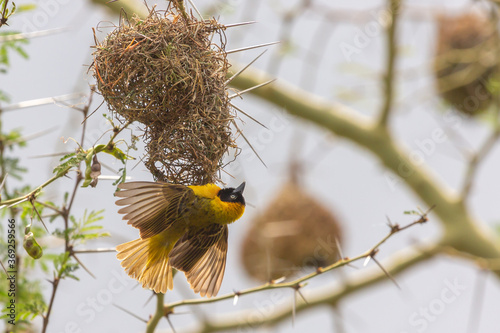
[(294, 232), (466, 60), (166, 73)]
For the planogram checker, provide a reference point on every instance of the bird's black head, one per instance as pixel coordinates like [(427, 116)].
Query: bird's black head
[(231, 194)]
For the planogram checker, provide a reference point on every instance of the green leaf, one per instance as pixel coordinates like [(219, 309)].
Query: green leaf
[(4, 97), (26, 7), (84, 229)]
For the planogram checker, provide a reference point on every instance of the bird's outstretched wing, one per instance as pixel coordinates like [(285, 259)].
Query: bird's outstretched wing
[(152, 206), (201, 254)]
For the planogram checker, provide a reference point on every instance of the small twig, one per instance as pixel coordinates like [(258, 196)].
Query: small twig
[(390, 65), (27, 196), (46, 316), (477, 302), (476, 160), (3, 19)]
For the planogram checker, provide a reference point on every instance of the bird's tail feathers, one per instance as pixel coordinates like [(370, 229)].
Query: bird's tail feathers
[(146, 260)]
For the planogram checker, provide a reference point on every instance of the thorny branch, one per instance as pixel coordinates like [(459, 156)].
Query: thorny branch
[(329, 295), (65, 214), (4, 17), (299, 283)]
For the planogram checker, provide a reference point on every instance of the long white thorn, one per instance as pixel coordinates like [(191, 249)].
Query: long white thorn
[(241, 70), (248, 142), (250, 47), (249, 116), (34, 34), (41, 101), (238, 24), (239, 93)]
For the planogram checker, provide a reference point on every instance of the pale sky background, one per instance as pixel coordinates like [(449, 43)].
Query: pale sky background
[(339, 174)]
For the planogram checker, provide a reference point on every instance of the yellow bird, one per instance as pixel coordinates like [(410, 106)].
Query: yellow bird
[(184, 227)]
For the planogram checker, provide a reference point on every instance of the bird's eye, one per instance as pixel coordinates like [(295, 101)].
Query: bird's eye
[(232, 196)]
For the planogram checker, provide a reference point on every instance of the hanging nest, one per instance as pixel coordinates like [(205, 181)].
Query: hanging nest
[(166, 73), (293, 233), (466, 60)]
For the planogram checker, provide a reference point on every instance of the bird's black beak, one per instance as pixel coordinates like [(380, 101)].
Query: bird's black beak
[(240, 188)]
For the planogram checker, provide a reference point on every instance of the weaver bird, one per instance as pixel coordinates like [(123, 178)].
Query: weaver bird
[(184, 227)]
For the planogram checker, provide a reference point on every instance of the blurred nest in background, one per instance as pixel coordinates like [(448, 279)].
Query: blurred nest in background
[(294, 232), (467, 56), (166, 73)]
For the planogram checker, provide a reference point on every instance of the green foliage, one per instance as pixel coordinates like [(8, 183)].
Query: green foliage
[(29, 303), (123, 175), (11, 40), (69, 161), (4, 97), (417, 212), (8, 45), (73, 160), (110, 149), (83, 229), (64, 267), (5, 11), (26, 7), (11, 165)]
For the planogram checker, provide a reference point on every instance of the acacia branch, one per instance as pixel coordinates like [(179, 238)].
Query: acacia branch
[(34, 193), (297, 283), (327, 295), (130, 7), (461, 230), (160, 312)]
